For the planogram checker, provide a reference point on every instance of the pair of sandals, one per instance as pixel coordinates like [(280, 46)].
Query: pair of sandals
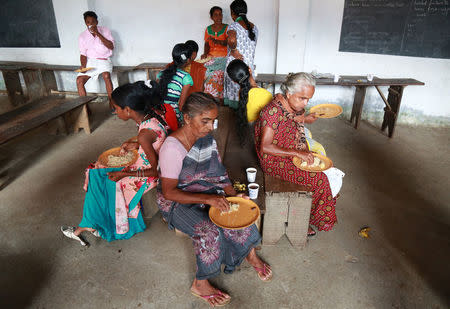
[(264, 273)]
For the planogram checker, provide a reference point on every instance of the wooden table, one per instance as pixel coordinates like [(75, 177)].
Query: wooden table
[(391, 110)]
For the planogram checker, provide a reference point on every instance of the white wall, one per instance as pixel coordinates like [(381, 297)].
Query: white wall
[(314, 46), (307, 34), (292, 29), (69, 24), (144, 31)]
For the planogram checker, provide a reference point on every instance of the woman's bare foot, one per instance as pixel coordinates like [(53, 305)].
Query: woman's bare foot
[(311, 232), (215, 297), (264, 271), (80, 230)]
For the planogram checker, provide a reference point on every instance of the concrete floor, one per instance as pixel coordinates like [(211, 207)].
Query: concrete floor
[(396, 186)]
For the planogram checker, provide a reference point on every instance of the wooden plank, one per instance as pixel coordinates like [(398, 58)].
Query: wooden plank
[(37, 113), (239, 158), (275, 217), (390, 115), (273, 184), (13, 87), (346, 80), (225, 122), (23, 109), (298, 218), (78, 118), (151, 66), (33, 83), (48, 81), (358, 102)]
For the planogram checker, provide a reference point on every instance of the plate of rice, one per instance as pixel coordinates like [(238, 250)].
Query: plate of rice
[(113, 158), (321, 163)]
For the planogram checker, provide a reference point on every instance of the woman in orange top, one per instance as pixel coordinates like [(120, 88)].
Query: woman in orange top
[(215, 53)]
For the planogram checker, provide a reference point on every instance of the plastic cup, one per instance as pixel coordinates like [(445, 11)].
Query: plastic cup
[(253, 189), (251, 174), (369, 77), (336, 78)]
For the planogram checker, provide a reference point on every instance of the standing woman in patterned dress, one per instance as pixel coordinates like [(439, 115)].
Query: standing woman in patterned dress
[(215, 52), (280, 134), (242, 37)]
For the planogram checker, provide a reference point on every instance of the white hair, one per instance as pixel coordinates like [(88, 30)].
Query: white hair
[(296, 81)]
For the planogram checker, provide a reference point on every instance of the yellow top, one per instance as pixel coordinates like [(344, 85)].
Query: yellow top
[(257, 99)]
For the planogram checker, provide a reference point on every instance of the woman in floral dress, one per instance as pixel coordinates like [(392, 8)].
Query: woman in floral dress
[(192, 180), (280, 134), (242, 37), (111, 207)]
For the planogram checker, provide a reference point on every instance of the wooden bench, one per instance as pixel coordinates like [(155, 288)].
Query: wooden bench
[(285, 207), (40, 79), (43, 110), (59, 113), (392, 108), (288, 208)]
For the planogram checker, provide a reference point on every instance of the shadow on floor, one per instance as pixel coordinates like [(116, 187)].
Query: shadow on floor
[(412, 220), (22, 277)]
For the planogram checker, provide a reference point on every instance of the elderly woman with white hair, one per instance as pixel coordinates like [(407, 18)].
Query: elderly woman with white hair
[(280, 134)]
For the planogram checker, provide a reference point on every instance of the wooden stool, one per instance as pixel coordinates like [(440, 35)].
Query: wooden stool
[(288, 208)]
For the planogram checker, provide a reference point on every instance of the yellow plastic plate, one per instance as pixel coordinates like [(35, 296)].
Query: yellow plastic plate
[(328, 163), (246, 215), (326, 110)]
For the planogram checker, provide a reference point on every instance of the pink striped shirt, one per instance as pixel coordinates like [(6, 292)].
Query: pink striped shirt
[(92, 47)]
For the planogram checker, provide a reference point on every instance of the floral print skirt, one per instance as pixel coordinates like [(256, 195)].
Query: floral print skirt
[(213, 245)]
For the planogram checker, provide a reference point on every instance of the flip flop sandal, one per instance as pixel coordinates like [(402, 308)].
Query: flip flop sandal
[(262, 273), (207, 297), (68, 231)]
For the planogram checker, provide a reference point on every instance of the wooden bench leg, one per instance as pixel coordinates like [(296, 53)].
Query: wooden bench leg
[(123, 78), (358, 102), (79, 118), (298, 218), (275, 217), (13, 87), (390, 115), (49, 81), (34, 84), (57, 126)]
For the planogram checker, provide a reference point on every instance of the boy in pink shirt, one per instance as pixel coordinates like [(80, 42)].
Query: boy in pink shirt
[(96, 45)]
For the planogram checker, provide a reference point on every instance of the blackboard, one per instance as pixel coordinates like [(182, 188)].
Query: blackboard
[(418, 28), (28, 23)]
